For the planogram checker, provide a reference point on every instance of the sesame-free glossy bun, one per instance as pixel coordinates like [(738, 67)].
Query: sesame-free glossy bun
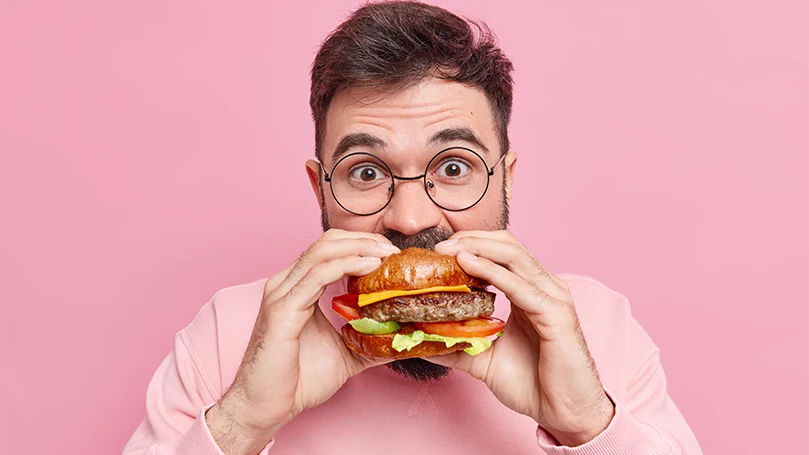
[(380, 345), (413, 268)]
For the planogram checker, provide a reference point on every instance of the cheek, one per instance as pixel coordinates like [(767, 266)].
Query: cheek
[(485, 216), (340, 219)]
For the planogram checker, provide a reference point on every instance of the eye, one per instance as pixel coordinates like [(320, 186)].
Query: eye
[(366, 173), (453, 168)]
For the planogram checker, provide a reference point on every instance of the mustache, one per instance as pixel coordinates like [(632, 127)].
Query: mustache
[(426, 239)]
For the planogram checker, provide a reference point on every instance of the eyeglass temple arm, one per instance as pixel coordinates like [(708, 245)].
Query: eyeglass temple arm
[(502, 157), (326, 175)]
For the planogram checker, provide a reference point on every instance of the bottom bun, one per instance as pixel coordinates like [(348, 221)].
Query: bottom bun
[(380, 345)]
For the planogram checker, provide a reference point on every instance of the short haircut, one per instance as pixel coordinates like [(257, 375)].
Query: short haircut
[(397, 44)]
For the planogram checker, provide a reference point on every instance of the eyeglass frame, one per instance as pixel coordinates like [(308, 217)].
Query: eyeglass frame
[(392, 188)]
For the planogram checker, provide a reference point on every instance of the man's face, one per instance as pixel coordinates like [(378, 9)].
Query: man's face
[(408, 128)]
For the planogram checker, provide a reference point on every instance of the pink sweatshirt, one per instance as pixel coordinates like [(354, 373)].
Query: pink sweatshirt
[(380, 412)]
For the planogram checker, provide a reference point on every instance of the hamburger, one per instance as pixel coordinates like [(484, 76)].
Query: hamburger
[(418, 303)]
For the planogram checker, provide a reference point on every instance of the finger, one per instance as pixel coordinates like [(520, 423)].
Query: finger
[(512, 256), (326, 273), (333, 234), (503, 235), (508, 238), (520, 292), (356, 362), (294, 309), (475, 366), (275, 280), (519, 320), (327, 250), (451, 360)]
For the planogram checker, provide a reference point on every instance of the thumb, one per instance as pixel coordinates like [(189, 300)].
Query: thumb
[(476, 366), (457, 360), (356, 363)]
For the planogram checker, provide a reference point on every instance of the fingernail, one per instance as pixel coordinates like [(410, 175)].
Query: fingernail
[(465, 255), (388, 246), (370, 259), (449, 242)]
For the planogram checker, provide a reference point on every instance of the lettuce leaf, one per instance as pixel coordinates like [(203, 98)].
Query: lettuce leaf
[(371, 327), (402, 342)]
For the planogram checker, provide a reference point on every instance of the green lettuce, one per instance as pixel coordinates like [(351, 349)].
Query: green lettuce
[(371, 327), (402, 342)]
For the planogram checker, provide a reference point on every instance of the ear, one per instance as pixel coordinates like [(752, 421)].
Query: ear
[(510, 163), (313, 172)]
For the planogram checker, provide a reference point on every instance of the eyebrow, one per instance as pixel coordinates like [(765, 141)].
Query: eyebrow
[(445, 136), (352, 140), (463, 133)]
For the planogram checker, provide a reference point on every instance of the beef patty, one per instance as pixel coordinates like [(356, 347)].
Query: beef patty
[(433, 307)]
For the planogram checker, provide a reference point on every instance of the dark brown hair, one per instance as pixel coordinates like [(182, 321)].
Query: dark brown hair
[(396, 44)]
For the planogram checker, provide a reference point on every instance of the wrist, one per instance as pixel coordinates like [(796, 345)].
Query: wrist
[(234, 431), (581, 428)]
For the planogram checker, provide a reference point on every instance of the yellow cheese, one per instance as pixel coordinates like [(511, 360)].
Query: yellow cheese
[(367, 299)]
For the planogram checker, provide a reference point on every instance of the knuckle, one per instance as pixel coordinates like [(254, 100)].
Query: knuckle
[(539, 269), (315, 247), (303, 263), (270, 285), (369, 243), (316, 250), (316, 275), (538, 295), (293, 293), (272, 301), (270, 295), (467, 242), (514, 250)]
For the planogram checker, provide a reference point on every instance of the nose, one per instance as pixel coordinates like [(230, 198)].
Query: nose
[(411, 211)]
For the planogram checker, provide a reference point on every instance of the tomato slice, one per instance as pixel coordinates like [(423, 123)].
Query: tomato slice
[(480, 327), (346, 306)]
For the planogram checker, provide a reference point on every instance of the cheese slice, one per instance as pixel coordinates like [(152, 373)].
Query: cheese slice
[(367, 299)]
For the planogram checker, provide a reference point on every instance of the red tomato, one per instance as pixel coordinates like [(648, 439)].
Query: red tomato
[(346, 306), (480, 327)]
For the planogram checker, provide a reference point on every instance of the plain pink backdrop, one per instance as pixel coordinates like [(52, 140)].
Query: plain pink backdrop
[(152, 153)]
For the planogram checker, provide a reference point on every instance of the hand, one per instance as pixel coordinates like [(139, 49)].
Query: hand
[(295, 359), (540, 366)]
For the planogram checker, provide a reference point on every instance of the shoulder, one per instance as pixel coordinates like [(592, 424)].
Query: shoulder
[(600, 307), (589, 294), (218, 335), (231, 305), (614, 337)]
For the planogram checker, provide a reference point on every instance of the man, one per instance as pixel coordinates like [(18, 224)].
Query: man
[(262, 368)]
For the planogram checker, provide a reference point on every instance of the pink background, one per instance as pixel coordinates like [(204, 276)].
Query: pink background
[(152, 153)]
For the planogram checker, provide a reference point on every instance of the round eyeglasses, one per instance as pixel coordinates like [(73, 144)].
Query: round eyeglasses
[(455, 179)]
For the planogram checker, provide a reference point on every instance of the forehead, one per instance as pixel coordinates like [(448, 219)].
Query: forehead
[(406, 120)]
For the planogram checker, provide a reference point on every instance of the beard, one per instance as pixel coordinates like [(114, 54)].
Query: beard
[(419, 369)]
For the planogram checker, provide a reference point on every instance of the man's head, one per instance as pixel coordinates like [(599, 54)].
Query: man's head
[(397, 83)]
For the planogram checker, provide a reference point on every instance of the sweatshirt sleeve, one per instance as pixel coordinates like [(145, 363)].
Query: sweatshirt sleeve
[(176, 400), (646, 422)]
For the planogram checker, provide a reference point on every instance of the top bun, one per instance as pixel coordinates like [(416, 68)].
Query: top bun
[(411, 269)]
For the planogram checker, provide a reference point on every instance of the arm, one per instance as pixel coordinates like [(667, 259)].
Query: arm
[(176, 400), (282, 372), (542, 366), (646, 421)]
